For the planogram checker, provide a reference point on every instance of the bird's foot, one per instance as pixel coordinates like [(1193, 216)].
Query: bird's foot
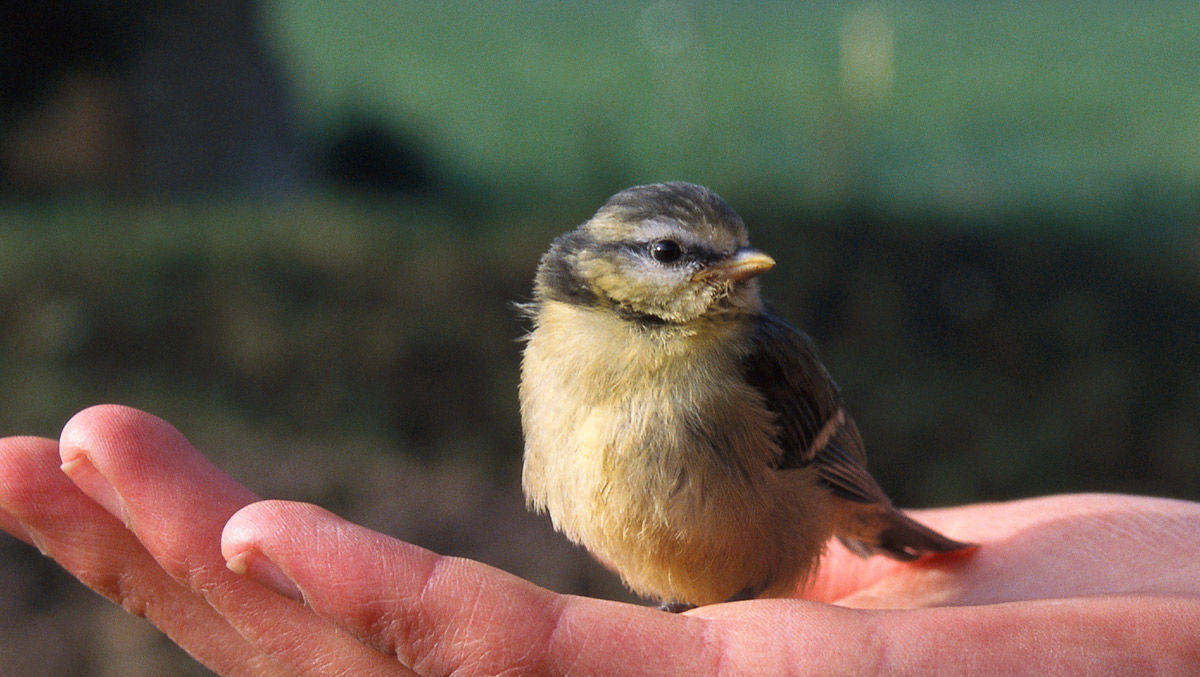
[(676, 607)]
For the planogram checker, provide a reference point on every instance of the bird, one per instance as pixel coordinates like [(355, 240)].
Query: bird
[(685, 435)]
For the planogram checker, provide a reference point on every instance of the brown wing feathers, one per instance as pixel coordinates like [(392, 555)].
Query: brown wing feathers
[(815, 430)]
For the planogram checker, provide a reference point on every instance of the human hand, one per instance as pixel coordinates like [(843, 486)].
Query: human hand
[(1059, 583)]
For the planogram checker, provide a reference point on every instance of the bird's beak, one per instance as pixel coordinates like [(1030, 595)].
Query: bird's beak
[(743, 265)]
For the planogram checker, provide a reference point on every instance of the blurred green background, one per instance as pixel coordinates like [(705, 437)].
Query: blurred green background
[(295, 229)]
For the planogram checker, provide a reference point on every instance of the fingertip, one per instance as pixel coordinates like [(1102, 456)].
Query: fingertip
[(252, 536), (95, 429), (258, 523), (101, 416), (241, 533)]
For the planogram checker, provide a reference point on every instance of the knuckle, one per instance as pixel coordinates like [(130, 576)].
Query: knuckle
[(120, 587)]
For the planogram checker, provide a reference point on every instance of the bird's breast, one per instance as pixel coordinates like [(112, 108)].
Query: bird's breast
[(645, 429), (653, 452)]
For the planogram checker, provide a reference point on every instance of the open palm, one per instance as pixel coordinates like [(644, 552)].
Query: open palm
[(260, 587)]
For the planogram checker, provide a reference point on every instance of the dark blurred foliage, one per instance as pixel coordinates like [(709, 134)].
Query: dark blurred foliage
[(141, 98), (41, 43), (365, 155)]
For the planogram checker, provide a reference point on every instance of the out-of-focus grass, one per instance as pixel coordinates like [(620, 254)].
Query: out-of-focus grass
[(969, 108)]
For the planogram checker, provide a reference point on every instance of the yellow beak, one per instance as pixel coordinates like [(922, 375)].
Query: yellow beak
[(743, 265)]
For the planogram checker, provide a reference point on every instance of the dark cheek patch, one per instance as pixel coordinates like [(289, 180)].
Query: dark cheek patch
[(558, 277)]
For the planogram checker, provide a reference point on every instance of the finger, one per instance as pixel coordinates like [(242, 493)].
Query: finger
[(64, 524), (444, 614), (176, 503)]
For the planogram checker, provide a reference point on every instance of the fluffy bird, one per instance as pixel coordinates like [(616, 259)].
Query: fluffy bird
[(685, 436)]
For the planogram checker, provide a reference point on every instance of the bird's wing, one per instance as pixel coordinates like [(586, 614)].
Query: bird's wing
[(813, 428)]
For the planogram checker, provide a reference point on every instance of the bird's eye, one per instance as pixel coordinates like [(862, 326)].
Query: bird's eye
[(666, 251)]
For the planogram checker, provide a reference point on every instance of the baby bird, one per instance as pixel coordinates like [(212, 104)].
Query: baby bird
[(688, 438)]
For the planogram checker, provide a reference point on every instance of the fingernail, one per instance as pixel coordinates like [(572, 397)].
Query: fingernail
[(91, 482), (255, 566)]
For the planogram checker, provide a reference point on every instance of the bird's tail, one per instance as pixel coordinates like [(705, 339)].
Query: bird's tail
[(900, 537)]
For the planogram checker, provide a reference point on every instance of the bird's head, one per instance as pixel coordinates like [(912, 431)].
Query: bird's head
[(668, 253)]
